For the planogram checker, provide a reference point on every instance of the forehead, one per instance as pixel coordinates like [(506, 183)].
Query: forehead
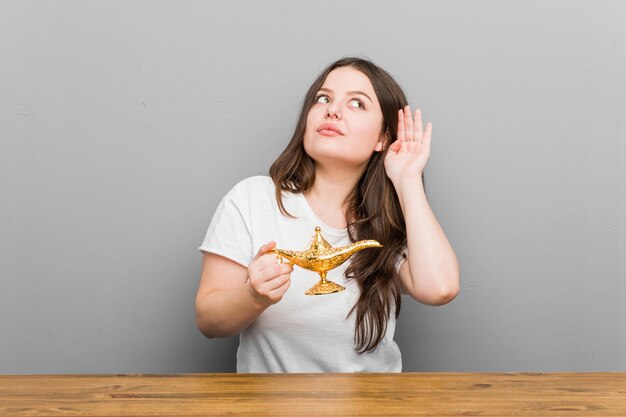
[(344, 79)]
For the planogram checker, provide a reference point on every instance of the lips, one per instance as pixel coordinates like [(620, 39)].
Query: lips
[(329, 129)]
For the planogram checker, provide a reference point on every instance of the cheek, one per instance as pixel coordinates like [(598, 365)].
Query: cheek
[(314, 118), (308, 129), (311, 119), (371, 130)]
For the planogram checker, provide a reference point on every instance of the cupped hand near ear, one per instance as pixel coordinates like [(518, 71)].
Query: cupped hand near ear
[(408, 155)]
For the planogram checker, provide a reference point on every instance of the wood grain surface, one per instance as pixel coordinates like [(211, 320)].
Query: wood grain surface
[(404, 394)]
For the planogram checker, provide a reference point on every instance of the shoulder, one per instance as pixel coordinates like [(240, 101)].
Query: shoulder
[(256, 190), (251, 186)]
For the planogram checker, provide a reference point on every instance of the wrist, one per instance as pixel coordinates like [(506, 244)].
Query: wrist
[(402, 184)]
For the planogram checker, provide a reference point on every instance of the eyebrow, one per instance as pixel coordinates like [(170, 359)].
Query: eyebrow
[(348, 92)]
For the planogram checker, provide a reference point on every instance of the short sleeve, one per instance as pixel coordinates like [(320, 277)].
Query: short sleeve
[(401, 257), (228, 234), (399, 260)]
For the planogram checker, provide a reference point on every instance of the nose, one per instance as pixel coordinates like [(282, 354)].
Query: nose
[(333, 111)]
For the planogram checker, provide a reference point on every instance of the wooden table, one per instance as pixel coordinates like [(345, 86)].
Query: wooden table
[(406, 394)]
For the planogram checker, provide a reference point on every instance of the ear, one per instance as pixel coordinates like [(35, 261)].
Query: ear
[(383, 141)]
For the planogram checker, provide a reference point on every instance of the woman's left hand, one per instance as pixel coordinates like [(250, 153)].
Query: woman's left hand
[(407, 156)]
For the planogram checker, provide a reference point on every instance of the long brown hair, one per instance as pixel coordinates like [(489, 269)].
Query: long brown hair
[(373, 207)]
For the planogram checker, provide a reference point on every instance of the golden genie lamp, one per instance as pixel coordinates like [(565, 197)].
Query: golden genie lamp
[(321, 257)]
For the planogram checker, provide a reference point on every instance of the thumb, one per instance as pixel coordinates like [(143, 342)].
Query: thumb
[(263, 249), (395, 147)]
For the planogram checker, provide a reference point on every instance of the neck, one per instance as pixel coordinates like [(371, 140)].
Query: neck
[(332, 187)]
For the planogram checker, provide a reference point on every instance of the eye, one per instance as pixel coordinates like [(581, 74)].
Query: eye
[(322, 98), (357, 103)]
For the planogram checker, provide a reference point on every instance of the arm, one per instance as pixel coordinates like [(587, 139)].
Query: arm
[(227, 301), (431, 272)]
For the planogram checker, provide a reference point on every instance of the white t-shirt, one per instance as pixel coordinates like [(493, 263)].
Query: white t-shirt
[(300, 333)]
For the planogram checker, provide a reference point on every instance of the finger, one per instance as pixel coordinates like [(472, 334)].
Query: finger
[(270, 269), (419, 128), (395, 147), (279, 282), (278, 293), (408, 122), (262, 280), (266, 287), (283, 288), (264, 262), (263, 249), (400, 126)]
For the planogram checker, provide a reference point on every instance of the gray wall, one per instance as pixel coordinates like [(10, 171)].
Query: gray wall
[(122, 124)]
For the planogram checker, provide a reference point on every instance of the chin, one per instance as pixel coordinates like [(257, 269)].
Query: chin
[(332, 152), (337, 161)]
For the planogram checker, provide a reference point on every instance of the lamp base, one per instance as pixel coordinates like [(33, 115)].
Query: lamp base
[(324, 287)]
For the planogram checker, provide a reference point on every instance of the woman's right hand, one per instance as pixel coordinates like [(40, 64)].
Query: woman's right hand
[(268, 278)]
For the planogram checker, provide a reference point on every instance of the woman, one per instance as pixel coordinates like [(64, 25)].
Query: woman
[(354, 167)]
